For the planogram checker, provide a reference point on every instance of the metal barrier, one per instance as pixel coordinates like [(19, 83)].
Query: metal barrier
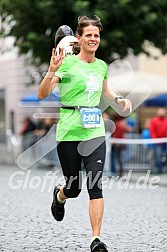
[(50, 159), (136, 154), (16, 146)]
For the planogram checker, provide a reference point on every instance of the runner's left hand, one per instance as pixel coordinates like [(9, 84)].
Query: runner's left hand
[(126, 104)]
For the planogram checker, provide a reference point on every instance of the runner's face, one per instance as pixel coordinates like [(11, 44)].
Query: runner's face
[(90, 39)]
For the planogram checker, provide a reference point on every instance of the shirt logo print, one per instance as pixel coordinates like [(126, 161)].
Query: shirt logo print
[(92, 84)]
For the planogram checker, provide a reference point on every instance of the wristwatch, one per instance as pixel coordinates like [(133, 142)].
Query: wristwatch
[(118, 97)]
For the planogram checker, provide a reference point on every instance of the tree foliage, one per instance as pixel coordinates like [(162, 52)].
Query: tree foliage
[(127, 24)]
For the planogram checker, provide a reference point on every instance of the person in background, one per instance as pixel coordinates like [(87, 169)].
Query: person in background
[(27, 132), (148, 148), (49, 160), (116, 149), (27, 126), (158, 129)]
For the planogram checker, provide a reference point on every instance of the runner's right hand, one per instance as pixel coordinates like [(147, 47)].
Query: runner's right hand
[(55, 61)]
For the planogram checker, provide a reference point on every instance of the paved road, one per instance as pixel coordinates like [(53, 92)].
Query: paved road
[(135, 220)]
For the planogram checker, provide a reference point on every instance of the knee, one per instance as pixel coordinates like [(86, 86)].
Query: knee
[(72, 193), (76, 193), (94, 187), (95, 194)]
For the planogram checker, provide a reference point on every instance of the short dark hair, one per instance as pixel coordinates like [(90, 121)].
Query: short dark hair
[(84, 21)]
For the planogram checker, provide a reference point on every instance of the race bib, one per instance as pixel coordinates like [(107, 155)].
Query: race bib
[(90, 117)]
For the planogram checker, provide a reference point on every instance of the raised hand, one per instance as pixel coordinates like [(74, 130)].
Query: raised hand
[(55, 61), (126, 104)]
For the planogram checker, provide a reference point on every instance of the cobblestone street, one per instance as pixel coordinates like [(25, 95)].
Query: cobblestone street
[(135, 220)]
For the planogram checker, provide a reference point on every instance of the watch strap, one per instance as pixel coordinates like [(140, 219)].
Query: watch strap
[(118, 97)]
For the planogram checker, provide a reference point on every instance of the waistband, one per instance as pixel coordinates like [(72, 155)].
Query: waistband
[(77, 107)]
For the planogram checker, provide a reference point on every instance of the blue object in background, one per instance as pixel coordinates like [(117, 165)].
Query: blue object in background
[(160, 100), (33, 98)]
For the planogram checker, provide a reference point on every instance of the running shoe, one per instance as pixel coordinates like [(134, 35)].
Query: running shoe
[(57, 209), (98, 246)]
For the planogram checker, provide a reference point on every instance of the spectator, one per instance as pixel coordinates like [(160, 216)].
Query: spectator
[(149, 148), (49, 160), (158, 129), (27, 132), (43, 127), (116, 149)]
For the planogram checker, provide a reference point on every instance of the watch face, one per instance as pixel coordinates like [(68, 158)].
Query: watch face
[(118, 97)]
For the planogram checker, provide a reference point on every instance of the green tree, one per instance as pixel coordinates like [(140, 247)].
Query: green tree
[(127, 24)]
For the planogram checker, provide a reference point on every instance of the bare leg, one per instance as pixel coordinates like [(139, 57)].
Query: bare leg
[(96, 209), (62, 196)]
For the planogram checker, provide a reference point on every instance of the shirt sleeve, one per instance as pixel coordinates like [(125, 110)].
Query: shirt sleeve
[(105, 67), (62, 69)]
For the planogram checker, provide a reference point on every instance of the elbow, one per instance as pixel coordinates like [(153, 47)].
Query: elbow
[(39, 95)]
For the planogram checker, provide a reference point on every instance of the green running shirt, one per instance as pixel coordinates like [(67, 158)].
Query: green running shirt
[(80, 85)]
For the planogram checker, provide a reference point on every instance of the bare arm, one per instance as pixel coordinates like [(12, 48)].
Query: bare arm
[(107, 91), (110, 94), (49, 81)]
